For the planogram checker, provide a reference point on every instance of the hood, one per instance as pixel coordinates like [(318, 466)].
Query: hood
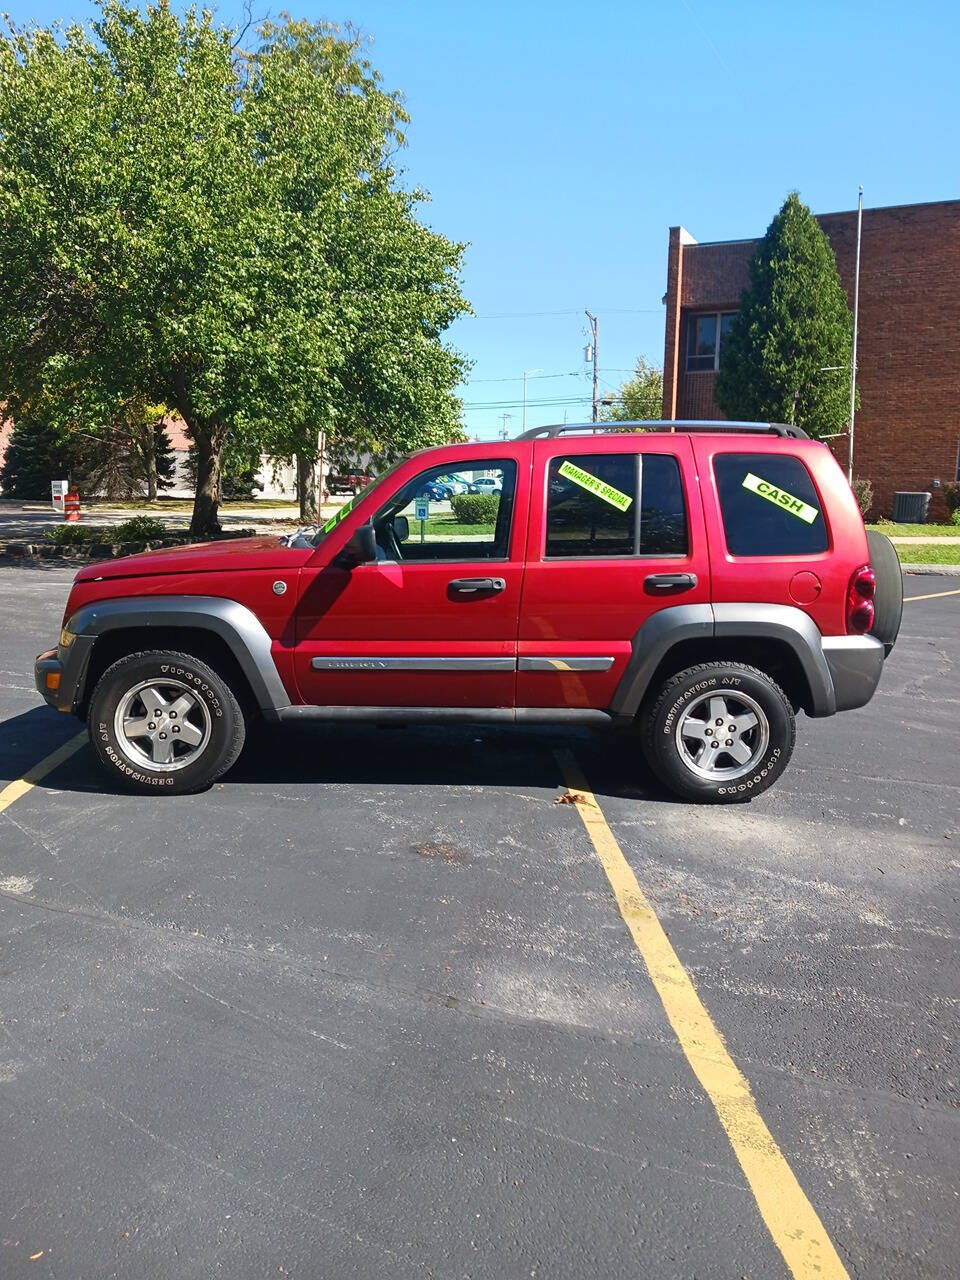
[(262, 552)]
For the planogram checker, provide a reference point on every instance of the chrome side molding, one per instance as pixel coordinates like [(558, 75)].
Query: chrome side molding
[(376, 663)]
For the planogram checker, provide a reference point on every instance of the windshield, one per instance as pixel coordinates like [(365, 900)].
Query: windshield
[(329, 525)]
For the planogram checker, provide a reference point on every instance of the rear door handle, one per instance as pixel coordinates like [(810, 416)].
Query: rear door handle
[(670, 581), (473, 586)]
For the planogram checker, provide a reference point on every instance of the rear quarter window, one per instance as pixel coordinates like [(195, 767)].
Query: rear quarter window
[(769, 505)]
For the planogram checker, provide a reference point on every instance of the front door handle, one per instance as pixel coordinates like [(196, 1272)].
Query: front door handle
[(670, 581), (473, 586)]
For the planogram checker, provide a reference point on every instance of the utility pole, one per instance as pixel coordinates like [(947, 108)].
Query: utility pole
[(853, 354), (594, 329), (504, 419)]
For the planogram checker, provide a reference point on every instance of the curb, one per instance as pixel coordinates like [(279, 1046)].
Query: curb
[(939, 570), (91, 552)]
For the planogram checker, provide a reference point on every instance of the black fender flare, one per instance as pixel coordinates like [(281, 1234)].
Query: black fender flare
[(668, 627), (235, 624)]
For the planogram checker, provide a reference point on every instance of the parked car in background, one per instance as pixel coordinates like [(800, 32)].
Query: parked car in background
[(486, 484), (455, 484), (350, 483), (435, 491)]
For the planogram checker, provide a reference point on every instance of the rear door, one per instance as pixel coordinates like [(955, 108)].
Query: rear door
[(616, 533), (766, 505)]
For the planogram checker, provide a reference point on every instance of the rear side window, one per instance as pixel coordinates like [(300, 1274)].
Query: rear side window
[(769, 504), (593, 507)]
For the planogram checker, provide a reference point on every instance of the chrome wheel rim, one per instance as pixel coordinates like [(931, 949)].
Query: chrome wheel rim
[(722, 735), (162, 725)]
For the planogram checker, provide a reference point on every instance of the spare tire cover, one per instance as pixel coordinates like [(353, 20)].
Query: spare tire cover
[(888, 601)]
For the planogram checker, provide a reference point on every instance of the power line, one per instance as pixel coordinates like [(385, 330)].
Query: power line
[(573, 311), (530, 377), (518, 404)]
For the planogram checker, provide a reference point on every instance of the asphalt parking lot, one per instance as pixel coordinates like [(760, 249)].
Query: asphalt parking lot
[(369, 1007)]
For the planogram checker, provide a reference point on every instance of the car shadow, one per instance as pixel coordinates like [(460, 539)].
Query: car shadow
[(460, 755)]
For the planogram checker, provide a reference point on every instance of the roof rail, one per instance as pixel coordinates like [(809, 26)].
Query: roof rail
[(667, 424)]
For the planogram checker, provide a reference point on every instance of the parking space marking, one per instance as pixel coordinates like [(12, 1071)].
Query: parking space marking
[(789, 1216), (14, 790), (934, 595)]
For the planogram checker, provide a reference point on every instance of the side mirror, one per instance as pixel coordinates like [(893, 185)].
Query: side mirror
[(401, 528), (360, 547)]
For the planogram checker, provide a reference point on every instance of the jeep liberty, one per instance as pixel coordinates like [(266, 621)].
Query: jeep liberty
[(695, 583)]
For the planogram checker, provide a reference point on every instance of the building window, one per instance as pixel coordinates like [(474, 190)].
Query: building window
[(706, 332)]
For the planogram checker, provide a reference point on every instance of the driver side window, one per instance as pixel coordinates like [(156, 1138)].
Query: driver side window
[(450, 514)]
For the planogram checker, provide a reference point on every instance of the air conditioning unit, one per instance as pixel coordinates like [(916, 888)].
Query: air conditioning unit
[(911, 508)]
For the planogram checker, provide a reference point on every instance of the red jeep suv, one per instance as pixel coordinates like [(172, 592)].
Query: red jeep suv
[(698, 583)]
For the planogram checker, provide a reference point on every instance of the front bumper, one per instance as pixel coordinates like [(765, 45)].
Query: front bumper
[(855, 664), (59, 673)]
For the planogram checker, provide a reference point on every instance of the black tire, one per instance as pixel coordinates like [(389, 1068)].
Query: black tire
[(888, 600), (213, 714), (675, 704)]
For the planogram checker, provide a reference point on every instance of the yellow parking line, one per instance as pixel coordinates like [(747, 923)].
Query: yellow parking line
[(14, 790), (790, 1217), (934, 595)]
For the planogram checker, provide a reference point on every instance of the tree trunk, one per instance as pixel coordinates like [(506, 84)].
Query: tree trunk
[(307, 489), (208, 439), (150, 457)]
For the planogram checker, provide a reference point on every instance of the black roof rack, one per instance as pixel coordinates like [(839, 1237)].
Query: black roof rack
[(667, 424)]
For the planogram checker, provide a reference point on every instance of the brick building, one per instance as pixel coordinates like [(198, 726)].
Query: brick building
[(907, 433)]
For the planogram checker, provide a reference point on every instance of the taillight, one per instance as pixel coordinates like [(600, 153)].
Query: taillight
[(860, 593)]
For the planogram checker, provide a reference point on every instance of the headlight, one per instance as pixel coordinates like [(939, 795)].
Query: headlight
[(66, 638)]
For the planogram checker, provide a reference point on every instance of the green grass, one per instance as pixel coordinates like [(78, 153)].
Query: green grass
[(184, 504), (925, 554), (917, 530), (447, 527)]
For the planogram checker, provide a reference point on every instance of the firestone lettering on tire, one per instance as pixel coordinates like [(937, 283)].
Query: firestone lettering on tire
[(749, 783)]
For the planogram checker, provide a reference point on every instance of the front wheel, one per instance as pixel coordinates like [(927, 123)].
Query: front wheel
[(165, 721), (718, 733)]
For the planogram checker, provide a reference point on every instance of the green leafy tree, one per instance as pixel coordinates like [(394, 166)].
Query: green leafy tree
[(639, 398), (787, 355), (221, 230)]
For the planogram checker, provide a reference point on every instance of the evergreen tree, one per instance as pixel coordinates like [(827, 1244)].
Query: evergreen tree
[(36, 454), (787, 355)]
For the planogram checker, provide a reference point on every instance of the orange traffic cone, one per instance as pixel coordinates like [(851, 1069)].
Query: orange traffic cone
[(71, 506)]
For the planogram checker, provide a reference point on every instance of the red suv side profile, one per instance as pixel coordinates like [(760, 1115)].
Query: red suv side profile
[(697, 584)]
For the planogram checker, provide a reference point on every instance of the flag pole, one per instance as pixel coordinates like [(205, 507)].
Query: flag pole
[(853, 354)]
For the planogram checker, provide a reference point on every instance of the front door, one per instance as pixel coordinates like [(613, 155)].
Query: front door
[(433, 623), (613, 537)]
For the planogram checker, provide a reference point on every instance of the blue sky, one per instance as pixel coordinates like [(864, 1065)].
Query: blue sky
[(562, 140)]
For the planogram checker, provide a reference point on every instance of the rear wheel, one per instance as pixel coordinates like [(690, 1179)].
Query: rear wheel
[(165, 721), (719, 732)]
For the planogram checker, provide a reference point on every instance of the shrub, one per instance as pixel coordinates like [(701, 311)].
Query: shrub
[(139, 529), (863, 492), (73, 535), (951, 495), (475, 508), (955, 517)]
